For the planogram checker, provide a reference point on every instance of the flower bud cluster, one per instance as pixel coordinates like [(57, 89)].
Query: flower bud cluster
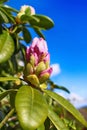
[(37, 69)]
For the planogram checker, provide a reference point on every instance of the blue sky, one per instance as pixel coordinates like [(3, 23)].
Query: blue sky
[(67, 41)]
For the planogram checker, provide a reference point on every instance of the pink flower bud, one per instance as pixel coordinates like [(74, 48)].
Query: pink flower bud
[(49, 71), (39, 45), (38, 49), (37, 55)]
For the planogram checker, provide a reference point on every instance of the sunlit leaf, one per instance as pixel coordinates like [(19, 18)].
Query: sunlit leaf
[(31, 107), (57, 121), (7, 14), (67, 105), (6, 47), (41, 127), (8, 8), (3, 17), (2, 79)]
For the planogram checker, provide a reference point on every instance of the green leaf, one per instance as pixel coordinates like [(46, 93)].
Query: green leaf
[(2, 79), (43, 23), (26, 35), (41, 127), (6, 47), (3, 16), (67, 105), (31, 108), (47, 124), (12, 98), (8, 8), (5, 93), (57, 121), (7, 14), (53, 86), (27, 18), (37, 30)]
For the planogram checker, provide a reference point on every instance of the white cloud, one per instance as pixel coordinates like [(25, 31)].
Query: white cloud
[(76, 97), (56, 69), (77, 100)]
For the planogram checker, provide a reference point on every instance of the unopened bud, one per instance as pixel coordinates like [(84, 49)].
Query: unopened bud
[(25, 10), (33, 79), (40, 67), (37, 55), (28, 69), (44, 77)]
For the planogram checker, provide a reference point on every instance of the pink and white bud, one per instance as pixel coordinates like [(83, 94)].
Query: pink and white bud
[(39, 49), (24, 8), (49, 71), (37, 55), (30, 11)]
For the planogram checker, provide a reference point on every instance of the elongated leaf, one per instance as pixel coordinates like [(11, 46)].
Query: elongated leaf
[(6, 47), (8, 8), (53, 86), (68, 106), (12, 98), (7, 14), (5, 93), (37, 30), (58, 122), (3, 17), (2, 79), (44, 22), (31, 108), (26, 35), (27, 18), (41, 21)]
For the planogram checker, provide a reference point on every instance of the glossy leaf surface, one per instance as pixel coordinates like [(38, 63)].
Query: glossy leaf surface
[(44, 22), (41, 21), (31, 108), (68, 106), (6, 47)]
